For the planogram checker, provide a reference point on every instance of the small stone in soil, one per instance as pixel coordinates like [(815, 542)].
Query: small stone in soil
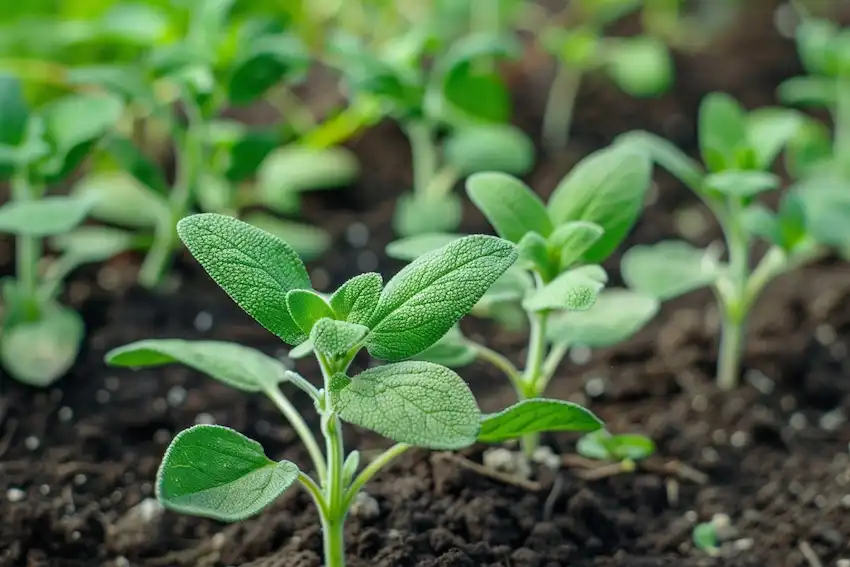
[(832, 420), (162, 436), (760, 381), (112, 384), (798, 421), (365, 507), (176, 396), (357, 234), (845, 501), (204, 419), (65, 414), (137, 529), (595, 387), (32, 443), (159, 405), (203, 322), (44, 489), (80, 479), (699, 403), (15, 495), (843, 563), (545, 456), (739, 439), (580, 354), (507, 461)]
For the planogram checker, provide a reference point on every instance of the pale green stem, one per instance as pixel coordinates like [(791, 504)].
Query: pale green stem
[(28, 248), (58, 272), (302, 384), (560, 104), (533, 371), (423, 148), (300, 427), (371, 470), (734, 309), (313, 489), (550, 366), (333, 536)]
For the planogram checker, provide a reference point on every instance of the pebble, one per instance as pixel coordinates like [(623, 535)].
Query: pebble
[(176, 396), (357, 235), (743, 544), (44, 489), (699, 403), (798, 421), (825, 334), (65, 414), (32, 443), (832, 420), (204, 419), (112, 384), (845, 501), (760, 381), (15, 495), (545, 456), (580, 354), (203, 321), (122, 561), (80, 479), (162, 436), (365, 507), (159, 405), (594, 387), (739, 439), (842, 563), (507, 461)]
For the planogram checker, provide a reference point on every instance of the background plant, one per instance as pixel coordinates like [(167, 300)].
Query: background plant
[(738, 148), (216, 472), (557, 282)]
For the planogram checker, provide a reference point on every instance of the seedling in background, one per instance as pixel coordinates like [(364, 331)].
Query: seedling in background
[(216, 472), (39, 147), (217, 62), (454, 115), (623, 449), (738, 148), (640, 65), (558, 282)]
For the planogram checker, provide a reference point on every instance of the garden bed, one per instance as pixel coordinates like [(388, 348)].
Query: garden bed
[(77, 459)]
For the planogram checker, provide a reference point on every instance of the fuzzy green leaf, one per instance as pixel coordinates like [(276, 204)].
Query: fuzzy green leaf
[(492, 147), (534, 255), (121, 199), (665, 154), (769, 130), (267, 60), (14, 113), (826, 206), (535, 416), (811, 91), (426, 298), (760, 221), (131, 159), (243, 368), (356, 299), (603, 446), (254, 267), (815, 46), (641, 66), (215, 472), (412, 247), (668, 269), (306, 308), (45, 217), (615, 317), (413, 402), (93, 243), (512, 208), (722, 130), (572, 239), (741, 184), (41, 351), (336, 338), (416, 215), (705, 538), (452, 350), (607, 188), (573, 290)]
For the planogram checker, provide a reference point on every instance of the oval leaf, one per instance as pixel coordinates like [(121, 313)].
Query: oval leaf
[(512, 208), (572, 239), (741, 184), (495, 147), (722, 129), (668, 269), (243, 368), (93, 243), (413, 402), (270, 59), (356, 299), (216, 472), (254, 267), (535, 416), (573, 291), (426, 298), (336, 338), (120, 199), (603, 446), (45, 217), (306, 308)]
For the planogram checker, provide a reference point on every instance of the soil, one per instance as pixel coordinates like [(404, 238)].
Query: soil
[(77, 461)]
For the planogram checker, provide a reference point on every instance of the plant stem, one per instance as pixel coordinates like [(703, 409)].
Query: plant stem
[(731, 350), (424, 153), (371, 470), (28, 248), (333, 537), (533, 372), (190, 162), (499, 361), (558, 116), (313, 489), (734, 305), (550, 366), (300, 427)]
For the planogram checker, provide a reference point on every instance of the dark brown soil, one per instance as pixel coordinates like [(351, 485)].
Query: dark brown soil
[(77, 460)]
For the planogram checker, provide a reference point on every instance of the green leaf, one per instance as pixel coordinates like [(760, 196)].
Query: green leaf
[(306, 308), (243, 368), (416, 215), (534, 255), (817, 92), (722, 129), (336, 338), (428, 296), (44, 217), (572, 239), (815, 46), (133, 161), (14, 112), (356, 299), (603, 446), (254, 267), (769, 130), (40, 352), (572, 290), (308, 241), (453, 350), (665, 154), (760, 221), (705, 538), (412, 247), (493, 147), (120, 199), (741, 184), (292, 169), (606, 188), (809, 149), (512, 208), (535, 416), (668, 269), (413, 402), (793, 222), (93, 243), (215, 472), (615, 317), (641, 66), (826, 208), (301, 351), (267, 61)]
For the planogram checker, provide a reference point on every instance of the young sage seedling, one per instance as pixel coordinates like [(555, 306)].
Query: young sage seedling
[(557, 282), (738, 148), (40, 338), (216, 472), (624, 449)]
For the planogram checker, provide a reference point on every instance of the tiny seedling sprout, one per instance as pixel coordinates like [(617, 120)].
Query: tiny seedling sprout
[(216, 472)]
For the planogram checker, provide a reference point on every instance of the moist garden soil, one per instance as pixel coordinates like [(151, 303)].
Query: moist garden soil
[(77, 461)]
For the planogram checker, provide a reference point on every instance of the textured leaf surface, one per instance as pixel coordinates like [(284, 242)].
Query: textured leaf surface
[(413, 402), (335, 338), (307, 307), (668, 269), (616, 316), (356, 299), (121, 199), (606, 188), (573, 291), (534, 416), (241, 367), (572, 239), (512, 208), (255, 268), (216, 472), (45, 217), (426, 298)]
